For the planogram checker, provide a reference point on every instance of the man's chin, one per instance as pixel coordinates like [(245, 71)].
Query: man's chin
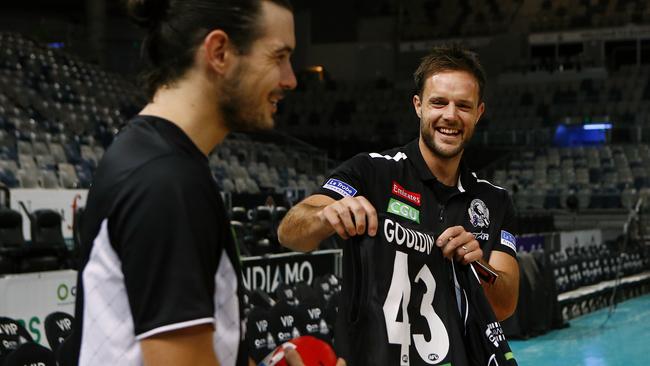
[(447, 152)]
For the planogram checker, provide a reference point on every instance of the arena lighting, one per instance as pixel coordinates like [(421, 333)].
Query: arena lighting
[(597, 126), (581, 134), (56, 45)]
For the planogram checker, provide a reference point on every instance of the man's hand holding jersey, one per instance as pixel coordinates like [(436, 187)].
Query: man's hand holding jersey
[(350, 216), (459, 244)]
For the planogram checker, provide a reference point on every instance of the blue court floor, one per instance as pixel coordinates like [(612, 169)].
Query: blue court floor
[(623, 340)]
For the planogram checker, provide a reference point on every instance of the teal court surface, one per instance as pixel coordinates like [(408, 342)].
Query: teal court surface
[(624, 339)]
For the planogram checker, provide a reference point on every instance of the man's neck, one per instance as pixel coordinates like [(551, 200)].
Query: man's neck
[(192, 107), (445, 170)]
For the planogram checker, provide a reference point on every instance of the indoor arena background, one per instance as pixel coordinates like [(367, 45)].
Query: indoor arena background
[(566, 131)]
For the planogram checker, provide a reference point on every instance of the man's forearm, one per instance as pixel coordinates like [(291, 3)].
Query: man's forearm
[(502, 294), (302, 230)]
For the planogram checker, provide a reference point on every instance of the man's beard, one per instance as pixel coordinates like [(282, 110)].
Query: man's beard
[(429, 140), (235, 105)]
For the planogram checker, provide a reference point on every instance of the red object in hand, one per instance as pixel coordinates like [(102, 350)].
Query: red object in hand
[(313, 351)]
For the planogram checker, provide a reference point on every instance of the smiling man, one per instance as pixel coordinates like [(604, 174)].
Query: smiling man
[(402, 303)]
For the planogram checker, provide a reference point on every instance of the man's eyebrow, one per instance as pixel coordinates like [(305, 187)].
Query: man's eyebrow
[(284, 49)]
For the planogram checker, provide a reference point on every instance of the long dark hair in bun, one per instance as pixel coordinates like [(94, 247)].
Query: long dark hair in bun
[(147, 13), (175, 28)]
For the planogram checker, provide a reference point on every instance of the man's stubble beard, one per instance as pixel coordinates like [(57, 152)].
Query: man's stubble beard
[(429, 141), (235, 104)]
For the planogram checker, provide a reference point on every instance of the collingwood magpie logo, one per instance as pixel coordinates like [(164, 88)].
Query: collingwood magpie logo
[(479, 215)]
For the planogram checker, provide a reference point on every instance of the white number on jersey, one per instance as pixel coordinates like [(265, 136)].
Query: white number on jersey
[(399, 332)]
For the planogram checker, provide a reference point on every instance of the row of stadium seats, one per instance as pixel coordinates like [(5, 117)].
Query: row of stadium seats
[(18, 348), (255, 230), (45, 252), (577, 267), (566, 14), (616, 95), (57, 115), (608, 176)]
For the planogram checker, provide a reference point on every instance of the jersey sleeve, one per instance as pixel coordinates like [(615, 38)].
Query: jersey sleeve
[(168, 259), (348, 179), (506, 240)]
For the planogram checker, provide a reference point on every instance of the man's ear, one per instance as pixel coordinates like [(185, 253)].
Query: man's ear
[(417, 104), (218, 51)]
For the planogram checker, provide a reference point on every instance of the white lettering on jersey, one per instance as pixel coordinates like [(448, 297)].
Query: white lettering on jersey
[(415, 240), (397, 157)]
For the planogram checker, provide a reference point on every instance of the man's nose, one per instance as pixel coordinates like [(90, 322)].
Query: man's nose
[(450, 111), (288, 78)]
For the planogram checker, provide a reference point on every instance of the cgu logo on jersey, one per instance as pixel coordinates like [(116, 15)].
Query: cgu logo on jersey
[(402, 209), (413, 197), (479, 215)]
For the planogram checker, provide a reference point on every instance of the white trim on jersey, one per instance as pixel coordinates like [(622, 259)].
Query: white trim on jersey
[(485, 181), (170, 327), (460, 185), (397, 157), (108, 336), (226, 312)]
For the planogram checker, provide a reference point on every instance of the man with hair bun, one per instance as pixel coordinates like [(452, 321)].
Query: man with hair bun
[(160, 279)]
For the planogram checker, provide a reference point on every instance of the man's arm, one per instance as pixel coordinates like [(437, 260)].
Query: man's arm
[(503, 294), (187, 346), (318, 216)]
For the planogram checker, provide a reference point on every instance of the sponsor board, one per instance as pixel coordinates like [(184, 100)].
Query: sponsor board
[(29, 298), (268, 272), (64, 201)]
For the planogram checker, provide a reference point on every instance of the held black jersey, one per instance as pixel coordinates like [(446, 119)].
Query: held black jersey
[(402, 189), (157, 253)]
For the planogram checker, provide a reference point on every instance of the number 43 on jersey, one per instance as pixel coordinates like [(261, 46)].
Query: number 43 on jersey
[(399, 332)]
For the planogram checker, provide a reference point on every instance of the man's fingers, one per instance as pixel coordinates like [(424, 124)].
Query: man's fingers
[(449, 234), (345, 217), (456, 242), (371, 216), (351, 216), (473, 256), (467, 248), (341, 362), (332, 217), (359, 216)]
